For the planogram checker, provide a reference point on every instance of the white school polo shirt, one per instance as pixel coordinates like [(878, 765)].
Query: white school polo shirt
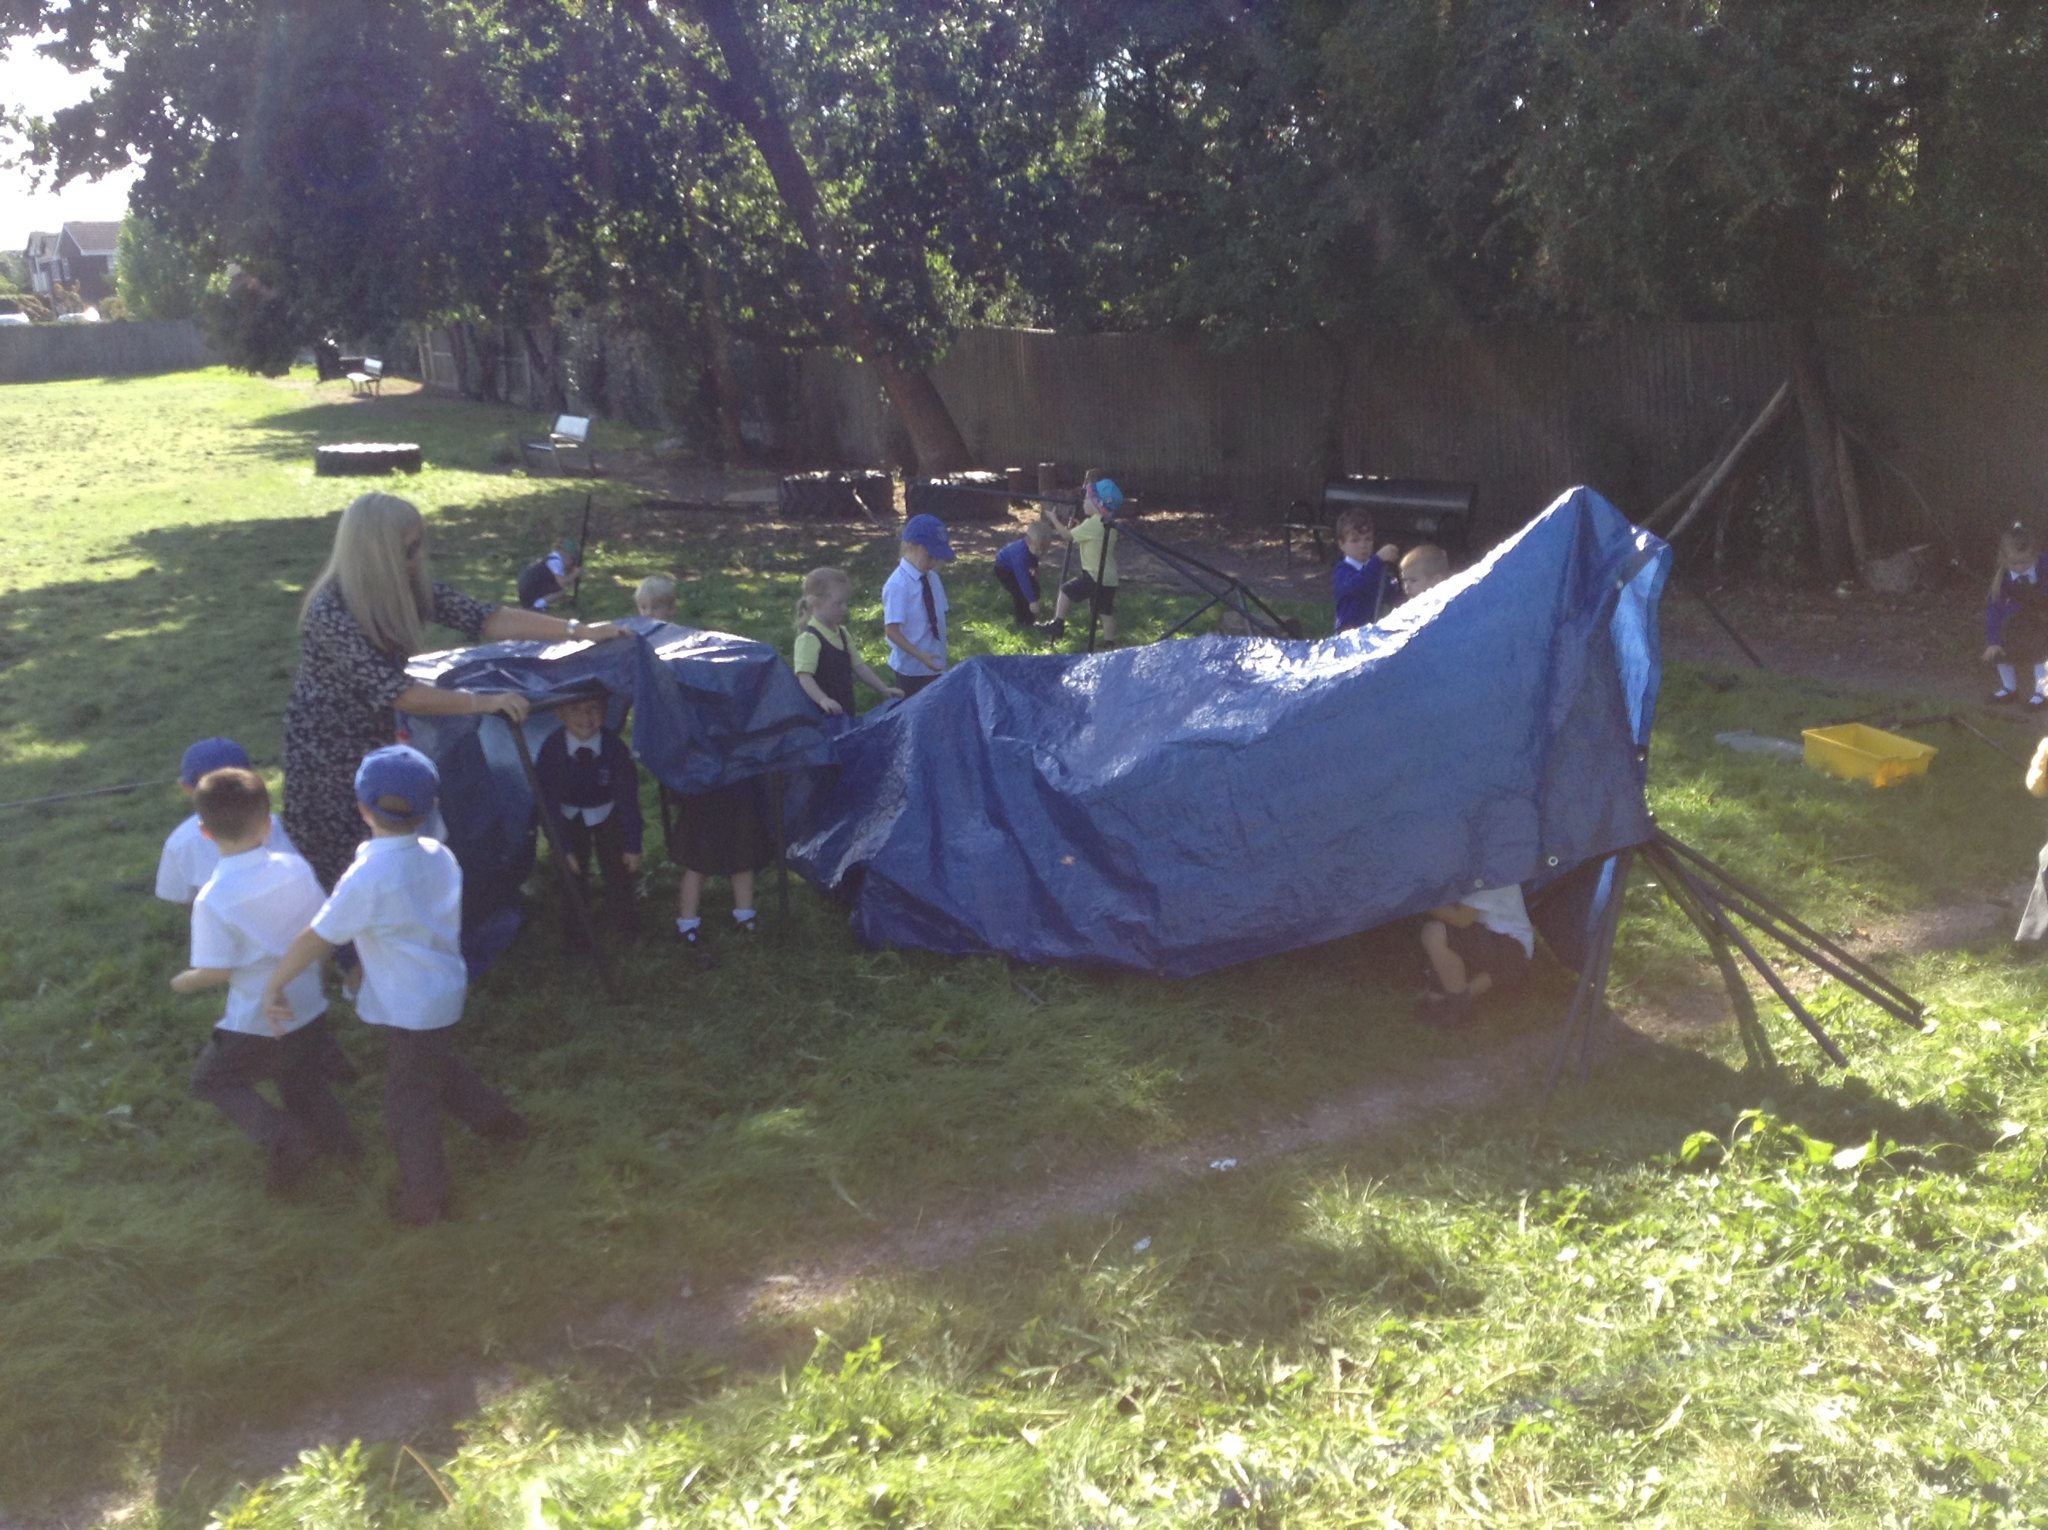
[(250, 910), (189, 858), (903, 606), (1502, 911), (400, 901)]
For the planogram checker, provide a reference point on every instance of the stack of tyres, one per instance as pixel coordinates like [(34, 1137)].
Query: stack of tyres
[(837, 496)]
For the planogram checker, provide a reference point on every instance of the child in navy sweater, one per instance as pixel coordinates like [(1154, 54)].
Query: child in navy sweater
[(1363, 583), (2016, 619), (592, 790), (1017, 570)]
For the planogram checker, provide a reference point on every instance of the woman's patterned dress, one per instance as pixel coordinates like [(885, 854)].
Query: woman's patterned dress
[(340, 709)]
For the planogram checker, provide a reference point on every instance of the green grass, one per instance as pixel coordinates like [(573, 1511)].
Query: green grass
[(1687, 1294)]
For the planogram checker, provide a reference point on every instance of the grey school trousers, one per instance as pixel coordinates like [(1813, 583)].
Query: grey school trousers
[(422, 1078), (301, 1061)]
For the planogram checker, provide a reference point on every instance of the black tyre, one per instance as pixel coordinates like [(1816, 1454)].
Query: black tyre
[(350, 459), (959, 497), (834, 496)]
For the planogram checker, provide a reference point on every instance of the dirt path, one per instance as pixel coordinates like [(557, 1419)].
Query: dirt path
[(720, 1323)]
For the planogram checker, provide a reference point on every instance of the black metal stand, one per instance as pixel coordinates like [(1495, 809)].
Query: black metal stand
[(559, 853), (1222, 589), (1713, 899)]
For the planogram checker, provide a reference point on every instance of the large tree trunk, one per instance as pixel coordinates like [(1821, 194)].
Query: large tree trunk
[(748, 96), (1817, 416)]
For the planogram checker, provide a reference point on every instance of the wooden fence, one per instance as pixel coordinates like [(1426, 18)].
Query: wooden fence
[(1955, 411), (120, 348)]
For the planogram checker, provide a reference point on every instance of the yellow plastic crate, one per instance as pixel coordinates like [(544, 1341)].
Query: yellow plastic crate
[(1859, 753)]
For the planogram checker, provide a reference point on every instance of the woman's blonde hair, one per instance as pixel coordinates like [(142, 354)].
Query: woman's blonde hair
[(819, 586), (390, 595)]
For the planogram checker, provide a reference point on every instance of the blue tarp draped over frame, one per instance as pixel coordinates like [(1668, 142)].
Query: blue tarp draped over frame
[(1183, 806), (709, 709)]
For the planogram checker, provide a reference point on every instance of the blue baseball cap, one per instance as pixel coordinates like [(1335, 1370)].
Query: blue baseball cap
[(929, 532), (1110, 496), (399, 782), (211, 754)]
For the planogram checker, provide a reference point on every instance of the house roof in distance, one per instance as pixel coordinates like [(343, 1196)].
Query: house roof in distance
[(94, 238), (41, 246)]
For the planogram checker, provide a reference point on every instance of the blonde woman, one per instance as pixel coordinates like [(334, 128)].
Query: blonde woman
[(363, 618)]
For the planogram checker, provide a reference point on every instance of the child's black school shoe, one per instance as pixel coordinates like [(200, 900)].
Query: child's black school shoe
[(508, 1128), (1444, 1011), (285, 1160), (2004, 696), (2037, 700), (698, 946), (1055, 629), (412, 1211)]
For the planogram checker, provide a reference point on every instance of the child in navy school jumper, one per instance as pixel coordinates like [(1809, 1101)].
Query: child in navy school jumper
[(591, 787), (2016, 619), (257, 899), (545, 578), (1017, 570), (400, 903), (914, 605), (189, 856), (1363, 582)]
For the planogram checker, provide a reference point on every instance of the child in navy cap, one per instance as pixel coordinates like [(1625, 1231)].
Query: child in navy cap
[(914, 605), (400, 903), (189, 857)]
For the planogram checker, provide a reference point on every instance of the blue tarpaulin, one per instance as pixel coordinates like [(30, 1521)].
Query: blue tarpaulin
[(709, 710), (1187, 805)]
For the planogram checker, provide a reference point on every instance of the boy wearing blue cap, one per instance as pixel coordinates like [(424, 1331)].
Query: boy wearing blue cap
[(1094, 540), (246, 916), (400, 903), (189, 856), (914, 605)]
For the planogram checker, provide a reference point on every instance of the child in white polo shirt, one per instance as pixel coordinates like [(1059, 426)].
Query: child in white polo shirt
[(248, 912), (914, 605), (189, 856), (400, 902)]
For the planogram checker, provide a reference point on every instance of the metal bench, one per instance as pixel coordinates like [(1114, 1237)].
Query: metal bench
[(568, 437), (1406, 511), (367, 377)]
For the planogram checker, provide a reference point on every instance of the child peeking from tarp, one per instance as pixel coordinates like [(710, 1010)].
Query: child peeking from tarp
[(1482, 942), (546, 578), (591, 789)]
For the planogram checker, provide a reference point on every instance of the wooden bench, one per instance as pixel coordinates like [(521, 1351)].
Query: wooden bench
[(1405, 511), (368, 378), (568, 437)]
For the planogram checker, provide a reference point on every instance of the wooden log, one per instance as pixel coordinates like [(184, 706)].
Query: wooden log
[(1719, 476), (1852, 502)]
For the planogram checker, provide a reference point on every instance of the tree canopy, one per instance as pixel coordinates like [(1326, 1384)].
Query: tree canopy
[(873, 175)]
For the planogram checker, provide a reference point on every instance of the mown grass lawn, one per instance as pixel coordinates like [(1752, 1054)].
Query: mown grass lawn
[(1684, 1294)]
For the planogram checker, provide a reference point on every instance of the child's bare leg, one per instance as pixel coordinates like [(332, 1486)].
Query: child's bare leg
[(1448, 966), (1107, 627), (1060, 607), (742, 893), (693, 894)]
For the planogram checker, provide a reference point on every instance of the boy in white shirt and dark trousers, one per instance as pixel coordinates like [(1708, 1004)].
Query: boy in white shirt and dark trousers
[(247, 914), (400, 902), (189, 856), (914, 605)]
